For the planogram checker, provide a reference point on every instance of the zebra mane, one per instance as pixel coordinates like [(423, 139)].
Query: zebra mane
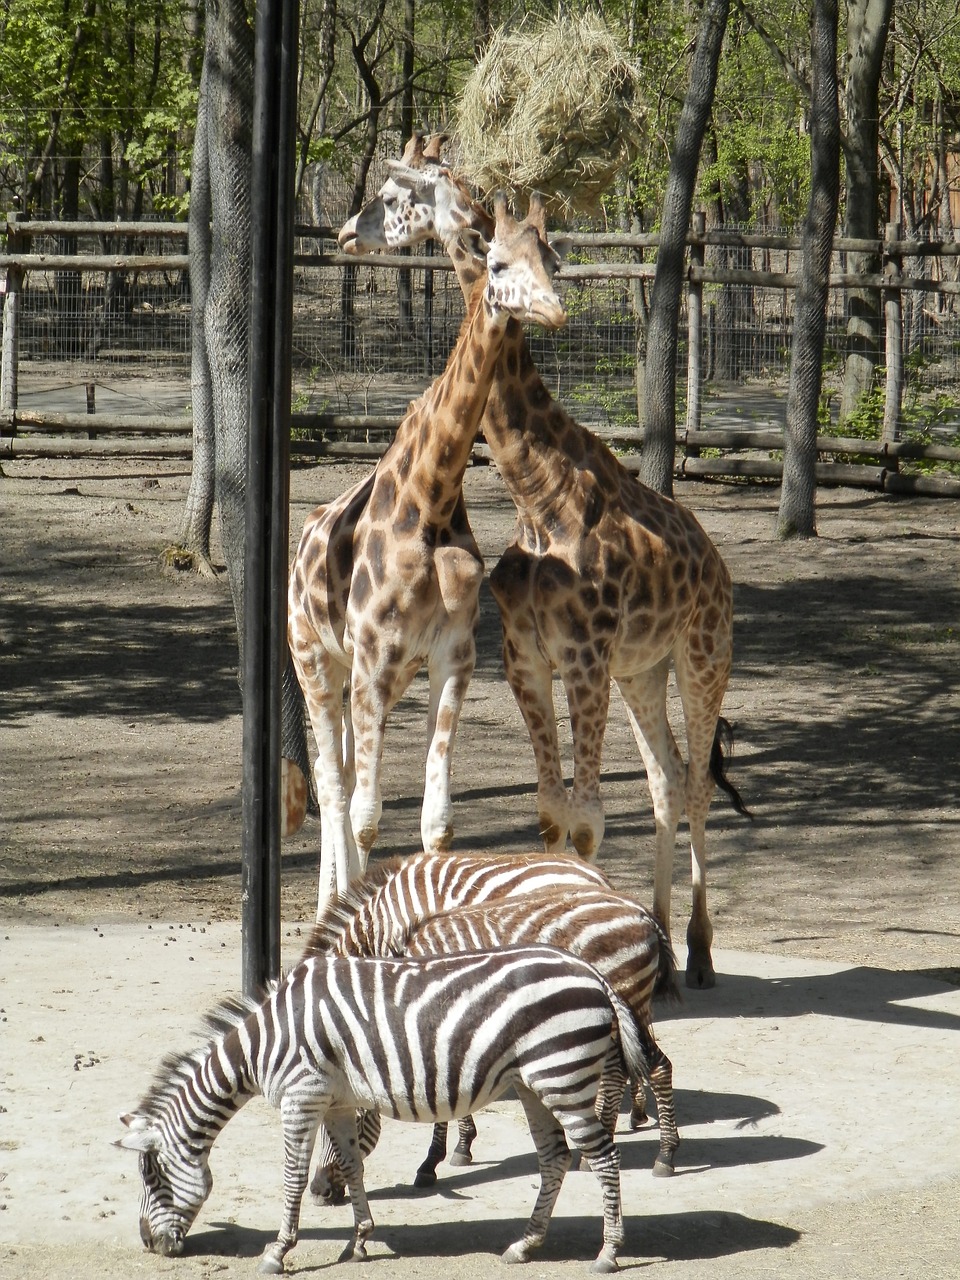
[(341, 912), (176, 1067)]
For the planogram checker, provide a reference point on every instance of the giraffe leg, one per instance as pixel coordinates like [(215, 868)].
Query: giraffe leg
[(589, 702), (702, 686), (531, 679), (447, 693), (371, 700), (646, 697), (322, 681)]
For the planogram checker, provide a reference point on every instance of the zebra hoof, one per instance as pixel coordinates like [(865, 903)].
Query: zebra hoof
[(519, 1252), (354, 1252), (460, 1158), (425, 1178), (270, 1265), (638, 1119), (663, 1167), (605, 1265)]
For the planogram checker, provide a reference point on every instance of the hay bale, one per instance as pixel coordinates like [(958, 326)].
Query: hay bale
[(551, 107)]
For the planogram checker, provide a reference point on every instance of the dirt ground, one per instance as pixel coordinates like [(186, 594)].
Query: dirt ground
[(120, 756)]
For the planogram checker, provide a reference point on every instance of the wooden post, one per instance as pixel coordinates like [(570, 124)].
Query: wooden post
[(695, 322), (10, 345), (893, 321)]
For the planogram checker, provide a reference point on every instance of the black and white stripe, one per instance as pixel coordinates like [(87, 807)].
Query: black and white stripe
[(611, 931), (399, 891), (437, 904), (424, 1040)]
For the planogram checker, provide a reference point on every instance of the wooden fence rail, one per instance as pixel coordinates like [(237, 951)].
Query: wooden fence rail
[(26, 433)]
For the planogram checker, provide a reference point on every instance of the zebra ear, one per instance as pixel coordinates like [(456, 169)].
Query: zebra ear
[(142, 1136)]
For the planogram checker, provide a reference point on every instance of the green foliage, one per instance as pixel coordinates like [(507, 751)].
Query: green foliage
[(108, 83)]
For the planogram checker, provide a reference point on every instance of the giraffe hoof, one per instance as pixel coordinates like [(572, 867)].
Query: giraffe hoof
[(701, 977)]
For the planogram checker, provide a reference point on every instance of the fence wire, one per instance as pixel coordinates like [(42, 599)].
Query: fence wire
[(370, 346)]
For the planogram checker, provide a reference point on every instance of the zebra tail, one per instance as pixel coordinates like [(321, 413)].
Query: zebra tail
[(631, 1038), (665, 986), (724, 738)]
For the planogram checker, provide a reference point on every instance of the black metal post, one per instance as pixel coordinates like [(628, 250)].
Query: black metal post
[(267, 495)]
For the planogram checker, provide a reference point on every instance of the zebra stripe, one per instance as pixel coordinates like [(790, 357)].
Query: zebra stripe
[(437, 903), (341, 1033), (402, 890), (612, 932)]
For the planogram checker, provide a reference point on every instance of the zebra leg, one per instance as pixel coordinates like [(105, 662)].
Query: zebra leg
[(638, 1107), (329, 1185), (299, 1136), (553, 1155), (427, 1173), (609, 1097), (661, 1082), (342, 1128), (596, 1145), (466, 1132)]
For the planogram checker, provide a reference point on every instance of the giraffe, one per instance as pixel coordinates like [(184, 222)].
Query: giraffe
[(387, 577), (606, 579)]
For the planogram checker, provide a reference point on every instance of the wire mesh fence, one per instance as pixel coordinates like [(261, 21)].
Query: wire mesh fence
[(368, 338)]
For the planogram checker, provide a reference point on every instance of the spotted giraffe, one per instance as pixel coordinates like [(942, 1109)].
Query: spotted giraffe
[(606, 578), (387, 577)]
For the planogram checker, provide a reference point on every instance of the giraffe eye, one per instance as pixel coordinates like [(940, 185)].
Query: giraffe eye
[(494, 267)]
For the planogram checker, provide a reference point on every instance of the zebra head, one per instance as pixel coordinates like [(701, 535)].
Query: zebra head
[(175, 1185)]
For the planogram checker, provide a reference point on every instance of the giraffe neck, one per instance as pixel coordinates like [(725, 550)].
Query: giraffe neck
[(464, 242), (557, 472), (434, 442)]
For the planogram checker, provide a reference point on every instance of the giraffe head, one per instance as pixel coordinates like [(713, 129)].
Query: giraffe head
[(421, 200), (521, 267)]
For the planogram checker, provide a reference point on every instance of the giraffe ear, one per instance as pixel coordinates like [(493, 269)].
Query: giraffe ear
[(561, 244), (475, 241), (420, 181)]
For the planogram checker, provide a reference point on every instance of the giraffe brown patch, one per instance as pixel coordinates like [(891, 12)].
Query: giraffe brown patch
[(384, 496), (360, 587), (407, 518), (374, 553), (343, 557)]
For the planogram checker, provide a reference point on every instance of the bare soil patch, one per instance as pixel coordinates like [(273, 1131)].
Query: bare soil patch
[(120, 746)]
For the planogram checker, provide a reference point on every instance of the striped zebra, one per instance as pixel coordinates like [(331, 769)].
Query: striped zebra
[(341, 1033), (437, 903), (612, 932)]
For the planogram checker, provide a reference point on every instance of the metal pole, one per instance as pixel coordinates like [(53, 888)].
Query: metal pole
[(267, 495)]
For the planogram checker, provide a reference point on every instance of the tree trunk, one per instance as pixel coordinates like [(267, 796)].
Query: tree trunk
[(193, 538), (868, 23), (797, 497), (659, 428), (221, 260)]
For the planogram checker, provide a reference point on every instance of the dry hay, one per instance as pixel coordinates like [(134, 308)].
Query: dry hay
[(552, 107)]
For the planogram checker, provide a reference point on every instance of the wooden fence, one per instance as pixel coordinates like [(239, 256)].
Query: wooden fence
[(875, 463)]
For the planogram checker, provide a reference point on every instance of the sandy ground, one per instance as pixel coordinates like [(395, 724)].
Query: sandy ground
[(817, 1086)]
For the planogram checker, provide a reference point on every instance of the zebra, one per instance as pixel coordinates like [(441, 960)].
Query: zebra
[(623, 942), (419, 1040), (611, 931)]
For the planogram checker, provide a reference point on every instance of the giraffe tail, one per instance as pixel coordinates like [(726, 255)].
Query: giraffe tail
[(724, 738)]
